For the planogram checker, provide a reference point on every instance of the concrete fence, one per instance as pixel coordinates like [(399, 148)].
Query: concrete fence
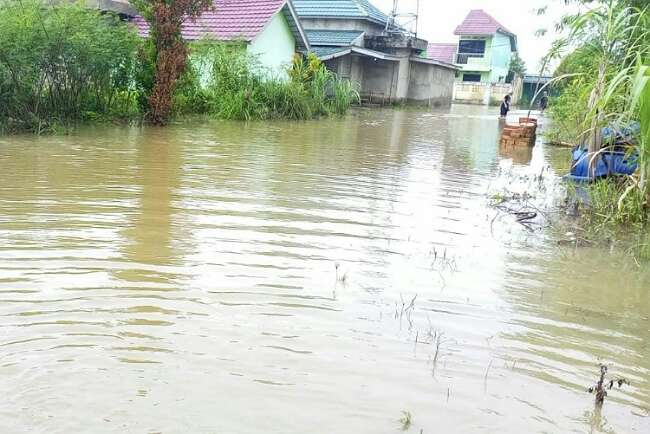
[(487, 93)]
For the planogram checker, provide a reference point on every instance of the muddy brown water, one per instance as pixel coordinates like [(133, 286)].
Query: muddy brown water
[(232, 278)]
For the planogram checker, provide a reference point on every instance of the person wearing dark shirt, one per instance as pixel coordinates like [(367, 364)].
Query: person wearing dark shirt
[(505, 106), (543, 103)]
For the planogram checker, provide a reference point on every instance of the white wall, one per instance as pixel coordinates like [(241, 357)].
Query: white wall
[(275, 46)]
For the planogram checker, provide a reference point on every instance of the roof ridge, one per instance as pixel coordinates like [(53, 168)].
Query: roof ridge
[(357, 9), (487, 23)]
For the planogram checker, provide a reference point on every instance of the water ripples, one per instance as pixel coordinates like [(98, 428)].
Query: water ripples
[(223, 270)]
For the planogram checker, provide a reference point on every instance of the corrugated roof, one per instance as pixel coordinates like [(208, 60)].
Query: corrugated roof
[(234, 20), (361, 9), (442, 52), (326, 51), (479, 22), (336, 38)]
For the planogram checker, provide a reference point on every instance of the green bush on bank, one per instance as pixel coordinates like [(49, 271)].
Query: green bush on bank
[(609, 85), (63, 64)]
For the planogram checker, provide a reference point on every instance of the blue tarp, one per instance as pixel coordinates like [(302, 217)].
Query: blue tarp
[(608, 163), (615, 160)]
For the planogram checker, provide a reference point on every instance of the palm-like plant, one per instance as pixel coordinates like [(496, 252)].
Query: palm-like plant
[(616, 36)]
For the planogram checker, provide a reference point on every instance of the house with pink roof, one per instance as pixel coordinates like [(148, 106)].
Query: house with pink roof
[(269, 29), (483, 51)]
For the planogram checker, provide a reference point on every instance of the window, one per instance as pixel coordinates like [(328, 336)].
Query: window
[(474, 78), (472, 46)]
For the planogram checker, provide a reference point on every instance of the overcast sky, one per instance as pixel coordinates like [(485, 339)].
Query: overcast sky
[(439, 18)]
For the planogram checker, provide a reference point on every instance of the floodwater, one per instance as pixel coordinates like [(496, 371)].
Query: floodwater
[(249, 278)]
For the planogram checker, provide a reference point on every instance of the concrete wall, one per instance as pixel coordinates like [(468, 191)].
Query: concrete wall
[(348, 68), (379, 77), (275, 46), (473, 93), (371, 29), (431, 84), (499, 91), (486, 93), (420, 83)]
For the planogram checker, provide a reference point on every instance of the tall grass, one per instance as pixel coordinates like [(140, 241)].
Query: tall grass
[(232, 85), (61, 64), (611, 58)]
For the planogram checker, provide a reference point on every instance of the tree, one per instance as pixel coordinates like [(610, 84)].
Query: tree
[(170, 51), (517, 65)]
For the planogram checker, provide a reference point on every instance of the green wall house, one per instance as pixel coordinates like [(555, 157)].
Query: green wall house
[(483, 52), (269, 30)]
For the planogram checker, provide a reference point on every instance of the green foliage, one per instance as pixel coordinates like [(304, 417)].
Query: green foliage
[(607, 208), (611, 58), (62, 64), (517, 65), (567, 111), (226, 83)]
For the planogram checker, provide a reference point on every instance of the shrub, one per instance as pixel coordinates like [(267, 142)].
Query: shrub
[(227, 83), (61, 64)]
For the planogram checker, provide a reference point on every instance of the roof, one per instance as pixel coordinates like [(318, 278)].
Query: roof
[(327, 51), (240, 20), (531, 78), (336, 38), (479, 22), (447, 65), (442, 52), (344, 51), (355, 9)]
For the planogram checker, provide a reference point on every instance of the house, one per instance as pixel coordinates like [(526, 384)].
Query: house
[(269, 29), (362, 44), (483, 53)]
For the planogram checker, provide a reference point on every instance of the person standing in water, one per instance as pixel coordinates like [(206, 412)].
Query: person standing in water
[(543, 102), (505, 106)]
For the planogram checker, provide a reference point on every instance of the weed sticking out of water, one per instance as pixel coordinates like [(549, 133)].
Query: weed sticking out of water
[(406, 420), (405, 310), (603, 385), (485, 379), (342, 278), (443, 262), (436, 341)]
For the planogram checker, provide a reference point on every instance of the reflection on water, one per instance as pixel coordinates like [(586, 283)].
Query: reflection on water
[(240, 278)]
